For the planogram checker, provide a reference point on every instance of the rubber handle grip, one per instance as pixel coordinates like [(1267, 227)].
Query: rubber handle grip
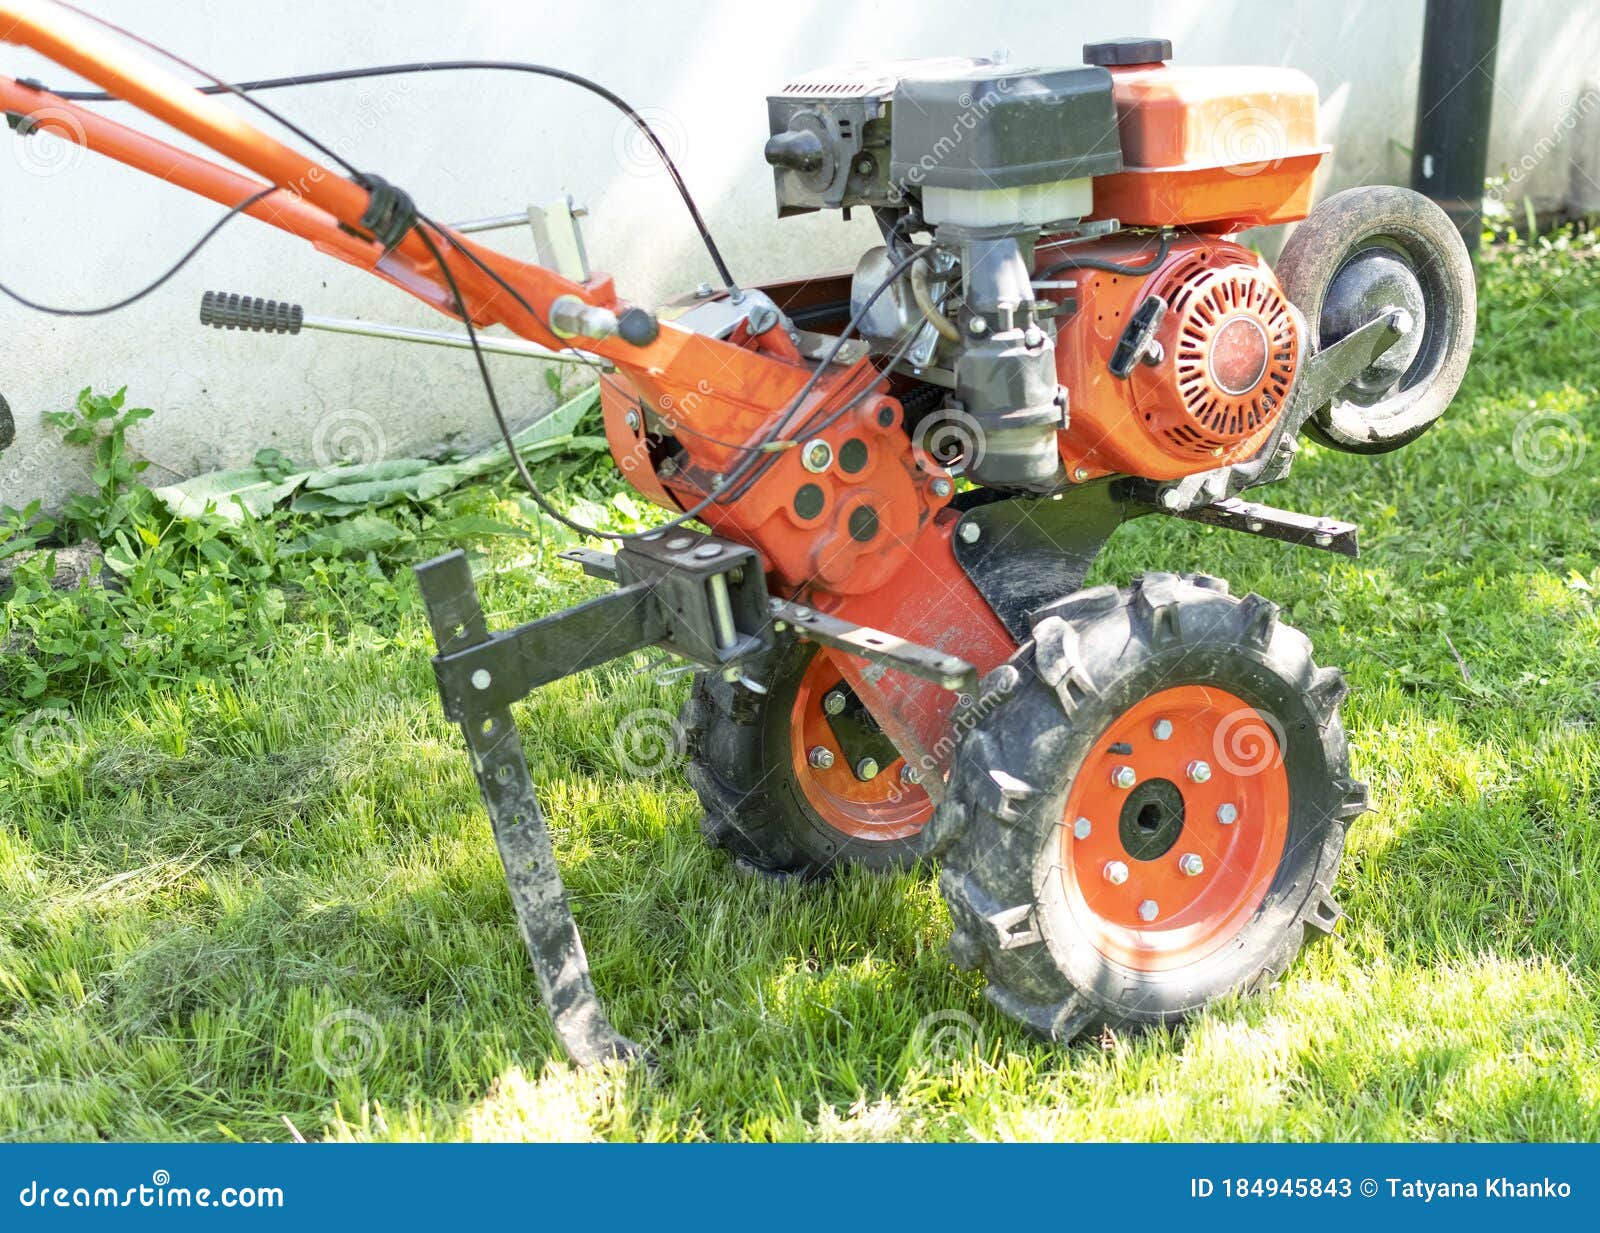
[(227, 311)]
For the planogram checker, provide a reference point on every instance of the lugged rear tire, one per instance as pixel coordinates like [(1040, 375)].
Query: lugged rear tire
[(746, 764), (1061, 951)]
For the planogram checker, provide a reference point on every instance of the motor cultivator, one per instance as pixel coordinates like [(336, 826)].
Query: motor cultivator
[(1138, 795)]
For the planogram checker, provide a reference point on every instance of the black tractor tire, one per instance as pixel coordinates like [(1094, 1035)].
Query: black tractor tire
[(1325, 263), (740, 764), (1001, 830)]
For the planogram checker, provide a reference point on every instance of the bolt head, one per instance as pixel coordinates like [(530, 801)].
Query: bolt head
[(631, 419), (1149, 909), (815, 455), (969, 532), (1228, 814), (1124, 777), (1161, 729), (1191, 864), (820, 757), (1199, 771), (1082, 828), (833, 702), (941, 487), (910, 774), (481, 679), (703, 291), (1080, 474), (1116, 872), (867, 768)]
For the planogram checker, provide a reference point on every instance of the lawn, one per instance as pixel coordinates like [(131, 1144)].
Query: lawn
[(258, 899)]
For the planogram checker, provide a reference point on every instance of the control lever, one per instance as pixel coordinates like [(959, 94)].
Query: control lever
[(225, 310)]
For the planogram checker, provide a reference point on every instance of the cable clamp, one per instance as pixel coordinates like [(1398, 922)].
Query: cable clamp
[(390, 214)]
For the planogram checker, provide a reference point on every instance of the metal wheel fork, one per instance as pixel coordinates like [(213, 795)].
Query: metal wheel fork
[(543, 915)]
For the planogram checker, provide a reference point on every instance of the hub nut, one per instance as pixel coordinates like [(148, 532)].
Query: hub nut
[(1116, 873), (1149, 910), (1161, 729), (867, 768), (1227, 814), (1124, 777), (833, 703), (1199, 771), (1191, 864), (1082, 828), (820, 757)]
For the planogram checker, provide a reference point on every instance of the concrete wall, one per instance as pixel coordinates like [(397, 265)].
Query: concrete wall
[(75, 230)]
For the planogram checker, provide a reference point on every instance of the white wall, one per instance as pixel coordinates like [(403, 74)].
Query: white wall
[(475, 144)]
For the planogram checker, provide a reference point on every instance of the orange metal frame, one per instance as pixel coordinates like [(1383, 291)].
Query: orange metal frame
[(903, 579)]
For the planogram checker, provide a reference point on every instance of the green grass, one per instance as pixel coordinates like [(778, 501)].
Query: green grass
[(238, 871)]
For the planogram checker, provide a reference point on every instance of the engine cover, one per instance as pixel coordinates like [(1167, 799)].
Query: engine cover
[(1209, 390)]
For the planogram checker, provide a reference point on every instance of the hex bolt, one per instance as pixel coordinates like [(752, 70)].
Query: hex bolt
[(1228, 814), (1082, 828), (481, 679), (833, 702), (815, 455), (1199, 771), (1124, 777), (941, 487), (1149, 909), (1116, 873), (703, 291), (631, 420), (1161, 729), (867, 768), (820, 757), (1080, 474), (1191, 864), (910, 774), (969, 532)]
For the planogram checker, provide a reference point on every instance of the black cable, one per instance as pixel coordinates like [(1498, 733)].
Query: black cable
[(218, 86), (243, 88), (144, 291), (1109, 267)]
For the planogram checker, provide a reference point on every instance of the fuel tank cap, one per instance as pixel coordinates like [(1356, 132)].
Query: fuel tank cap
[(1115, 52)]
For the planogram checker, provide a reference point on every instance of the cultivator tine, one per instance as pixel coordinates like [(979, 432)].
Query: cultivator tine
[(543, 914)]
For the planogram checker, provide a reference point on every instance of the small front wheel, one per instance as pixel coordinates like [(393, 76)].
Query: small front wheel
[(1149, 809)]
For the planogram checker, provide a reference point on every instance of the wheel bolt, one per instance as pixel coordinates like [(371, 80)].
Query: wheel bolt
[(1149, 910), (1228, 814), (1199, 771), (1161, 729), (1081, 828), (1124, 777), (1116, 873), (833, 703), (820, 757), (867, 768), (1191, 864)]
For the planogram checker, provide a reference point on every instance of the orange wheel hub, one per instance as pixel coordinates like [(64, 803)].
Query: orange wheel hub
[(1174, 827), (879, 809)]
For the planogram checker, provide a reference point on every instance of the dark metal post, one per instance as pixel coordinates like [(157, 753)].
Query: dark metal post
[(1455, 96)]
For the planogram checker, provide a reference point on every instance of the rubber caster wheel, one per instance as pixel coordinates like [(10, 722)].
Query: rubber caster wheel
[(798, 781), (1359, 252), (1151, 813)]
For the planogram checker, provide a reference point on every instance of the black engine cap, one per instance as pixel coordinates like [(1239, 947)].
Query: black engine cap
[(1113, 52), (638, 326)]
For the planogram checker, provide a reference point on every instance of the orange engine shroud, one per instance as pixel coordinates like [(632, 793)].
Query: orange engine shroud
[(1228, 347)]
